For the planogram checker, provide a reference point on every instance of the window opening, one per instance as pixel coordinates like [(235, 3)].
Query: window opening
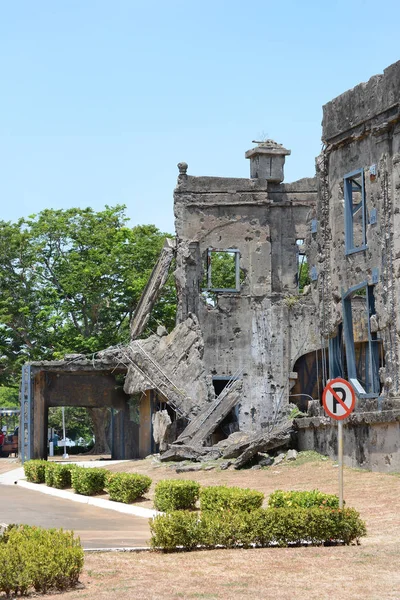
[(355, 212), (230, 423), (303, 276), (223, 271), (362, 345)]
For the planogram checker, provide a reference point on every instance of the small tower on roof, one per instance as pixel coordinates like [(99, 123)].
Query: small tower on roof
[(267, 160)]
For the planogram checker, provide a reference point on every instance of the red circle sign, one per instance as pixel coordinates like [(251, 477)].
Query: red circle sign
[(338, 399)]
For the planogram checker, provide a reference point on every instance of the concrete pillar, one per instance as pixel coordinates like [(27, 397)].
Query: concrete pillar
[(40, 419)]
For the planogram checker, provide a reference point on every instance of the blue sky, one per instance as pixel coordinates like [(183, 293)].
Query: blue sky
[(101, 99)]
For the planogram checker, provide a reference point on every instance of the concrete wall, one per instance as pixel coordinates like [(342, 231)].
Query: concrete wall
[(249, 331), (370, 441), (361, 130)]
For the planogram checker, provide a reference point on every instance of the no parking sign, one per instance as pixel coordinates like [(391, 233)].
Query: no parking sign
[(338, 399)]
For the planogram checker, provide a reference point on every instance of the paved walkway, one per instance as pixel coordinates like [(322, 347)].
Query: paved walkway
[(22, 502), (97, 528)]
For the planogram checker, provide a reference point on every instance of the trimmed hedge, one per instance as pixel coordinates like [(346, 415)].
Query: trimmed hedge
[(35, 470), (43, 559), (58, 475), (127, 487), (261, 528), (222, 498), (176, 494), (304, 499), (88, 481)]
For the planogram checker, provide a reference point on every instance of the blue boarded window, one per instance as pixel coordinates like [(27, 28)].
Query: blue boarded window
[(362, 356), (355, 212)]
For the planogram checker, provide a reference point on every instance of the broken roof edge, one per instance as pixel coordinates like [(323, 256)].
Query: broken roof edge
[(366, 100)]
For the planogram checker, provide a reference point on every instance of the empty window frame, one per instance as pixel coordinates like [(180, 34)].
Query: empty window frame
[(223, 270), (363, 365), (303, 276), (355, 212)]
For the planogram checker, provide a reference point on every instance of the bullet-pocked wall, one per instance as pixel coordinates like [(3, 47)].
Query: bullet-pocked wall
[(237, 270), (355, 247)]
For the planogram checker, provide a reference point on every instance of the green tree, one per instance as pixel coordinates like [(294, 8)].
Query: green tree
[(77, 422), (70, 281), (9, 397)]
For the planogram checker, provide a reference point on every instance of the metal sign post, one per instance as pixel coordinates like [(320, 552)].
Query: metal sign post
[(340, 461), (339, 400)]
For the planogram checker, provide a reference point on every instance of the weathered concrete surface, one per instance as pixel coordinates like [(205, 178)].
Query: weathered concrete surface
[(161, 422), (371, 440), (206, 422), (262, 442), (150, 293), (357, 106), (173, 365), (254, 330), (361, 130)]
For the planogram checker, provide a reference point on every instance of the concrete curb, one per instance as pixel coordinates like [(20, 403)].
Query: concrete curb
[(11, 477), (128, 509)]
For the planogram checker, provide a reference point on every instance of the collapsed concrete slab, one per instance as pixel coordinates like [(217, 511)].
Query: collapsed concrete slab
[(206, 422), (263, 442), (173, 365), (150, 293)]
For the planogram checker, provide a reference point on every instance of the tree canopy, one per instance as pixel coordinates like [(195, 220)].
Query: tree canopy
[(70, 281)]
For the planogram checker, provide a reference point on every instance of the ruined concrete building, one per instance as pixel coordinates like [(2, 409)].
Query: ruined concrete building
[(239, 247), (281, 286), (353, 246)]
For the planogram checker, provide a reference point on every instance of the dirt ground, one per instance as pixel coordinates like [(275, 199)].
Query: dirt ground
[(370, 571)]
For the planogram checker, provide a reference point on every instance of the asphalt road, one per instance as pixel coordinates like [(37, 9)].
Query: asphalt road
[(97, 527)]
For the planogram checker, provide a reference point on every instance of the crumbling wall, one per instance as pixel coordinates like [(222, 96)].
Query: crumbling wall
[(173, 365), (361, 131), (247, 333)]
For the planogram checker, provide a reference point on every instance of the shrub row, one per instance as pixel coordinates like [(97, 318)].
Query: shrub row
[(32, 557), (127, 487), (35, 470), (261, 528), (222, 498), (88, 481), (306, 499), (179, 494), (58, 475), (122, 487), (176, 494)]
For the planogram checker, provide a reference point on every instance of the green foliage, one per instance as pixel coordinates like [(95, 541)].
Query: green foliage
[(176, 494), (176, 529), (222, 498), (260, 527), (304, 275), (35, 470), (77, 422), (70, 281), (9, 397), (88, 481), (58, 475), (223, 270), (127, 487), (32, 557), (303, 499)]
